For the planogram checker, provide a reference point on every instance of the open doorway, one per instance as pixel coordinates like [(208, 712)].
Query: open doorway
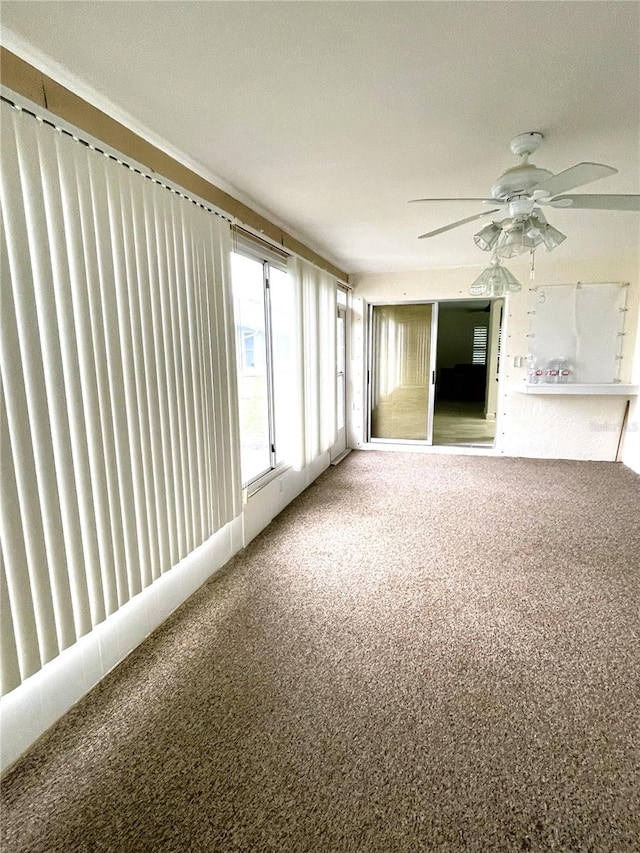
[(467, 363)]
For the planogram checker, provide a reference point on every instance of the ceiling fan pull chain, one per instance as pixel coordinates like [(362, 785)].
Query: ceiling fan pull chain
[(532, 273)]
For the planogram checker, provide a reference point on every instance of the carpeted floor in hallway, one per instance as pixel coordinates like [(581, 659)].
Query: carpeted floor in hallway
[(421, 653)]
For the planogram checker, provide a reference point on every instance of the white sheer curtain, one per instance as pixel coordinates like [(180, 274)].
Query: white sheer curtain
[(317, 356), (119, 441)]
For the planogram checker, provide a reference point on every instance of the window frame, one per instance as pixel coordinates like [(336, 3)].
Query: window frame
[(245, 247)]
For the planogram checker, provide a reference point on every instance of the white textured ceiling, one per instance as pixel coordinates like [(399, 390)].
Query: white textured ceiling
[(329, 116)]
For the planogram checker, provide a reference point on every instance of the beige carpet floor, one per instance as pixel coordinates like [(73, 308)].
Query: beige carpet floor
[(422, 653)]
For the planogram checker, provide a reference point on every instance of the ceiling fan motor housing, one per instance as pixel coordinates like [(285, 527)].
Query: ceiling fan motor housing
[(519, 180)]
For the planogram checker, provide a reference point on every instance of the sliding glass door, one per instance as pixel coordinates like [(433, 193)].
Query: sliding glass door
[(402, 339)]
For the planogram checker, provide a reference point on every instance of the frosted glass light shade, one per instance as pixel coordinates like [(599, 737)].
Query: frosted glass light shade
[(519, 238), (487, 237), (551, 237), (495, 280), (527, 235)]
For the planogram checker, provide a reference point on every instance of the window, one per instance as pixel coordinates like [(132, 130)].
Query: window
[(248, 351), (480, 340), (265, 327)]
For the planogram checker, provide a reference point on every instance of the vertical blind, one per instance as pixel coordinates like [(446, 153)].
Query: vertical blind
[(118, 411), (317, 358)]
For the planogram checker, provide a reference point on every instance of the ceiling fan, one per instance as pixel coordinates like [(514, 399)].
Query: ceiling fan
[(518, 194)]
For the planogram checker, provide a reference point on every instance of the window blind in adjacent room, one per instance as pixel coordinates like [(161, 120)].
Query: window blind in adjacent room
[(479, 345), (118, 424)]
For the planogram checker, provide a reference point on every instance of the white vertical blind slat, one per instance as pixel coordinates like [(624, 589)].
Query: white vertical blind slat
[(110, 377), (298, 451), (124, 414), (184, 275), (312, 362), (133, 471), (185, 289), (163, 427), (137, 403), (109, 247), (204, 463), (326, 320), (174, 378), (29, 604), (9, 663), (211, 412), (207, 320), (95, 390), (206, 273), (226, 436), (203, 527), (145, 253), (228, 372)]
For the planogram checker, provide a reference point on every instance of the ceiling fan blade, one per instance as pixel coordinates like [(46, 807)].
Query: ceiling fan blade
[(601, 202), (478, 200), (575, 176), (455, 224), (558, 201)]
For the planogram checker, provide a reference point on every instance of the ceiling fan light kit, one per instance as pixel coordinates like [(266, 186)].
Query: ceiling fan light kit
[(516, 236)]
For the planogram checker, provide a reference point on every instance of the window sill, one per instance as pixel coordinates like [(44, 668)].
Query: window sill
[(259, 484)]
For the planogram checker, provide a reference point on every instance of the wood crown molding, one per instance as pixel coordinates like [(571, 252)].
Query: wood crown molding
[(24, 79)]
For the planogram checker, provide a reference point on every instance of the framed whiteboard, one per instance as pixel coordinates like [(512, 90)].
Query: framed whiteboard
[(580, 325)]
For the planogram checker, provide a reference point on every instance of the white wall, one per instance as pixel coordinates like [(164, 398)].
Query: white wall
[(576, 427), (30, 709)]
